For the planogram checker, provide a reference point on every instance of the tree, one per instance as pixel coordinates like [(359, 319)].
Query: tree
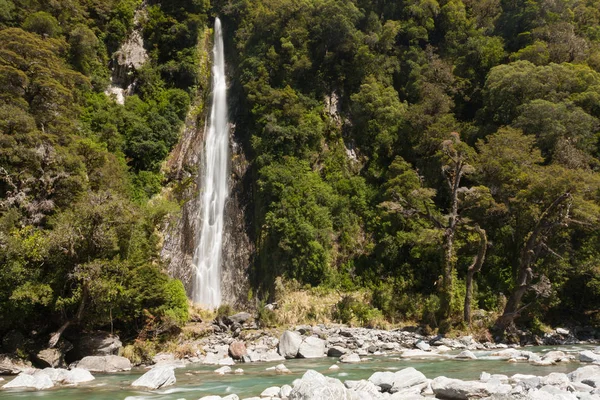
[(456, 157), (542, 200), (474, 268)]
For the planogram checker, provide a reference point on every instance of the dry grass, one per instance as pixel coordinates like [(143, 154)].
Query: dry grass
[(305, 306)]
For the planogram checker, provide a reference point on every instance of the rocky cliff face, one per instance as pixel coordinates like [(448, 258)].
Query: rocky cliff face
[(184, 171), (129, 58)]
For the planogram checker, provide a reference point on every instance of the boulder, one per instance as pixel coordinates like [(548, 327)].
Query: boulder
[(272, 391), (447, 388), (385, 380), (238, 371), (98, 343), (223, 370), (365, 389), (78, 375), (415, 353), (312, 347), (556, 356), (104, 364), (156, 378), (226, 361), (237, 350), (240, 318), (314, 386), (289, 344), (421, 345), (466, 355), (406, 378), (282, 369), (26, 381), (11, 365), (56, 375), (337, 351), (556, 379), (551, 393), (53, 358), (285, 391), (587, 372), (350, 358), (334, 367), (588, 356)]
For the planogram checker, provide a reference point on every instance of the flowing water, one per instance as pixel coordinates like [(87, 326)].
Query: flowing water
[(207, 257), (197, 381)]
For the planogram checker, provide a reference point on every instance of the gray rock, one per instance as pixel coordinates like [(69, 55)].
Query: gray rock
[(314, 386), (406, 378), (156, 378), (285, 391), (26, 381), (385, 380), (240, 318), (350, 358), (53, 358), (589, 371), (337, 351), (463, 390), (11, 365), (364, 389), (272, 391), (556, 379), (562, 331), (226, 361), (551, 393), (465, 355), (556, 356), (421, 345), (223, 370), (289, 344), (98, 343), (312, 347), (56, 375), (282, 369), (78, 375), (414, 353), (104, 364), (60, 375), (588, 356)]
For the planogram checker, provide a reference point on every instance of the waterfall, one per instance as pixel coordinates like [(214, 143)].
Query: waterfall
[(206, 289)]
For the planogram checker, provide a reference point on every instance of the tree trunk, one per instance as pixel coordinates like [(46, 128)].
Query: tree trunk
[(449, 261), (55, 337), (528, 257), (473, 269)]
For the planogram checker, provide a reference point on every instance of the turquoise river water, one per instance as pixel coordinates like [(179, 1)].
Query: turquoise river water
[(197, 381)]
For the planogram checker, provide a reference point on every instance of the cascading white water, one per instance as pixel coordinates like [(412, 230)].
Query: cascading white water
[(207, 257)]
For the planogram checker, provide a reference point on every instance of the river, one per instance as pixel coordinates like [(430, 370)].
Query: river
[(197, 380)]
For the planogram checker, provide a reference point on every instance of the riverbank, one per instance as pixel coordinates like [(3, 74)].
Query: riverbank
[(239, 352)]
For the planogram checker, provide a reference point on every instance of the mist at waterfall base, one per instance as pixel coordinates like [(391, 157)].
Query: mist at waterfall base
[(206, 290)]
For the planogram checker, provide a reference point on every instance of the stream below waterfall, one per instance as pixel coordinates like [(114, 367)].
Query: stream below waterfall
[(197, 380)]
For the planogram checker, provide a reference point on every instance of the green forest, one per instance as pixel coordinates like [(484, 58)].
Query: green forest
[(440, 155)]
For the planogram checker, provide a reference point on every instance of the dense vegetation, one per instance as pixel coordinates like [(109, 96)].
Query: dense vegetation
[(78, 239), (410, 146), (429, 153)]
